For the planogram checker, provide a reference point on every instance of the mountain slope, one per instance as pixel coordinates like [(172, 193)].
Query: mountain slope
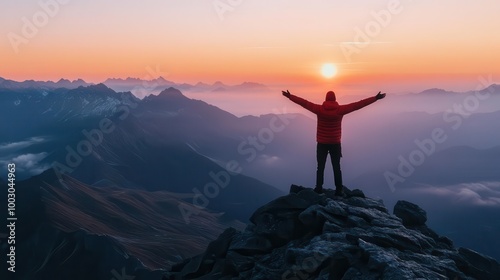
[(308, 236), (65, 227), (149, 147), (135, 156), (39, 111)]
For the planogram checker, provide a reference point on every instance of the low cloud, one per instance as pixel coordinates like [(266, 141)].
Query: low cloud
[(29, 163), (14, 146), (479, 194), (269, 159)]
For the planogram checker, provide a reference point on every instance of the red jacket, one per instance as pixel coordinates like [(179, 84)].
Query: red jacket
[(330, 113)]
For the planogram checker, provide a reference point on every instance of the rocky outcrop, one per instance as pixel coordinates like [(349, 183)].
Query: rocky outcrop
[(411, 214), (308, 236)]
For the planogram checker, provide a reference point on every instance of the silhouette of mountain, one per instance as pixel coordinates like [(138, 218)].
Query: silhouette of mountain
[(244, 87), (435, 91), (132, 169), (62, 83), (146, 87), (173, 101), (130, 84), (200, 84), (89, 100), (493, 88), (308, 236), (145, 149), (38, 111), (169, 118), (250, 86), (218, 84)]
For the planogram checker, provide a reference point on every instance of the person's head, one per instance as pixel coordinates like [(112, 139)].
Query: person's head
[(330, 96)]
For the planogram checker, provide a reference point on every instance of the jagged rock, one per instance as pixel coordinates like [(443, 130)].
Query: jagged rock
[(279, 219), (479, 266), (411, 214), (336, 208), (313, 217), (308, 236), (218, 248), (296, 189), (367, 203), (249, 244), (356, 193), (236, 263)]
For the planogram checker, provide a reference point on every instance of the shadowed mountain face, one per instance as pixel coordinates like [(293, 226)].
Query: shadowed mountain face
[(308, 236), (53, 112), (108, 204), (48, 126), (67, 227), (105, 138)]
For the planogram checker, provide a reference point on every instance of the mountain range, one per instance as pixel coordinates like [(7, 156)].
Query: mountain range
[(110, 170), (147, 147), (62, 83), (140, 87)]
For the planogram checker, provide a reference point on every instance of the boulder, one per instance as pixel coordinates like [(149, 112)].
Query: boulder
[(411, 214), (356, 193)]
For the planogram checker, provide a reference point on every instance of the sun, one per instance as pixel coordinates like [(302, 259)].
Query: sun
[(328, 70)]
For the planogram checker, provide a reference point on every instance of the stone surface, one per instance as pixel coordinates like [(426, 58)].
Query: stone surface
[(411, 214), (308, 236)]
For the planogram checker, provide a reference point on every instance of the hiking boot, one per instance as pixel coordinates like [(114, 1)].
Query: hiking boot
[(338, 191)]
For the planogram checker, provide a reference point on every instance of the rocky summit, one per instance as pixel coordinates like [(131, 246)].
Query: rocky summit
[(304, 235)]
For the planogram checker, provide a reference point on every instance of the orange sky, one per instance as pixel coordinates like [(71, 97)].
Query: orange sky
[(403, 45)]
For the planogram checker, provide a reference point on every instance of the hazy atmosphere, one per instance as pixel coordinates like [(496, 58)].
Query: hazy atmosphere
[(133, 134)]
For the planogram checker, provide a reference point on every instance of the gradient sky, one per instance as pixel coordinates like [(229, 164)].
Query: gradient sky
[(446, 43)]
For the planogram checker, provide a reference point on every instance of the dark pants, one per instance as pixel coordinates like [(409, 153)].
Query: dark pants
[(322, 151)]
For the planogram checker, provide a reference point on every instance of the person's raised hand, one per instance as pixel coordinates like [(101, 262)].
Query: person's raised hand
[(285, 93), (380, 95)]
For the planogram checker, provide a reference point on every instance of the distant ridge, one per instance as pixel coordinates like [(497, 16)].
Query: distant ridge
[(160, 83), (155, 85), (62, 83), (493, 88), (435, 91)]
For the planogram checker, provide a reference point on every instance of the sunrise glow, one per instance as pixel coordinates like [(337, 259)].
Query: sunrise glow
[(373, 42), (328, 70)]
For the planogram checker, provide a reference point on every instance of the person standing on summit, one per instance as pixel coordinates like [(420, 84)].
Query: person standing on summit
[(329, 132)]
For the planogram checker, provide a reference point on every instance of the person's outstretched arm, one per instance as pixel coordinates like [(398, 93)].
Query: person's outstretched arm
[(348, 108), (302, 102)]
